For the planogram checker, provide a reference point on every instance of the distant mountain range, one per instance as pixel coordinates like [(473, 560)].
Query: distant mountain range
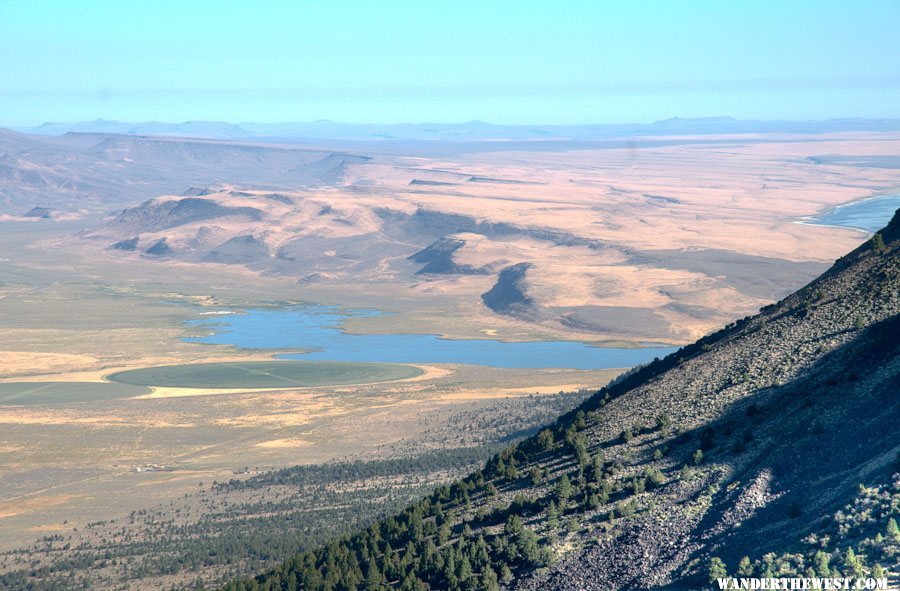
[(472, 130), (100, 172)]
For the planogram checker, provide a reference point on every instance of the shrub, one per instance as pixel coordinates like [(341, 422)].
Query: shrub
[(655, 476), (626, 509)]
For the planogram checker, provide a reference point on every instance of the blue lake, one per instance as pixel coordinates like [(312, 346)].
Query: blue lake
[(869, 214), (317, 328)]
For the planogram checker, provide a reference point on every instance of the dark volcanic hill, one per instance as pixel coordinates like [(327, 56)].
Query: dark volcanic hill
[(769, 448), (508, 296), (152, 216)]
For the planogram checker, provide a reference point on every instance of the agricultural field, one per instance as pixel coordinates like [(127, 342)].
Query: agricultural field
[(28, 393), (265, 374)]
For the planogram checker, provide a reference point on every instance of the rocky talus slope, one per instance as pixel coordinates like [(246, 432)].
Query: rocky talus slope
[(767, 448)]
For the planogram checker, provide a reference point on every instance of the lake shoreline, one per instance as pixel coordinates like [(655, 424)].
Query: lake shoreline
[(317, 330), (865, 215)]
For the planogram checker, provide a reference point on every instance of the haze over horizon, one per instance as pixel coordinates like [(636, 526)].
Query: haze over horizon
[(327, 121), (392, 62)]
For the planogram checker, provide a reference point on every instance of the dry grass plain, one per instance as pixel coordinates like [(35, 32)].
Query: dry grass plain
[(68, 464), (72, 319)]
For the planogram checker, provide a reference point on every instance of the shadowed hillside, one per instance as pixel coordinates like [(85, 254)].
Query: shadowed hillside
[(766, 448)]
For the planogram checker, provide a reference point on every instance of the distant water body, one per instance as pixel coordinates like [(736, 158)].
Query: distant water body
[(869, 214), (317, 328)]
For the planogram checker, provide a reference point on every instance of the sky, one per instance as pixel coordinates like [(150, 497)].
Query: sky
[(392, 61)]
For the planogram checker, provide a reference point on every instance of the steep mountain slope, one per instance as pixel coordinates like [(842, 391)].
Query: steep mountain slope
[(747, 443)]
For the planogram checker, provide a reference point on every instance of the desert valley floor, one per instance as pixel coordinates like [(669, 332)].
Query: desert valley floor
[(626, 244)]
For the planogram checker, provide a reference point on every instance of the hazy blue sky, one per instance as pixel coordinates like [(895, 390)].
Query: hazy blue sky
[(395, 61)]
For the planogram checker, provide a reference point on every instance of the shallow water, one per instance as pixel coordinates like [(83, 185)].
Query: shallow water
[(869, 214), (317, 328)]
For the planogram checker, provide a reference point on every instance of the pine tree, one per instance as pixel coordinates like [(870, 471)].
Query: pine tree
[(374, 579), (638, 485), (664, 422), (546, 440), (513, 525), (597, 472), (580, 422), (506, 576), (552, 515), (717, 569), (852, 565), (563, 490), (464, 570), (444, 534), (745, 568), (581, 452), (488, 580), (821, 560)]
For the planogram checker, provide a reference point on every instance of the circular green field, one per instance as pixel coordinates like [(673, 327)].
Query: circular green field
[(265, 374), (22, 393)]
